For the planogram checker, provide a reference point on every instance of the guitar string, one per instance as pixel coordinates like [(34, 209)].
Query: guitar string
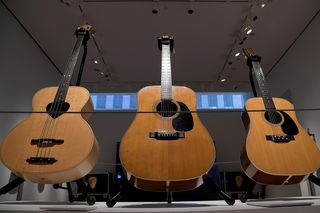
[(55, 111), (57, 108), (48, 120), (72, 64), (52, 125), (270, 111), (53, 128)]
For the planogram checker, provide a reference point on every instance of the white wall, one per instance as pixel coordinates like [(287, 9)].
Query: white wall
[(24, 70), (298, 73)]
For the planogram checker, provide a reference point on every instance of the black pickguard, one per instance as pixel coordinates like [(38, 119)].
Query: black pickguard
[(184, 121), (289, 127)]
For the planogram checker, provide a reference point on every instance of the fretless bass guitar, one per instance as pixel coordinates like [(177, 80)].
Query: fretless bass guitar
[(57, 146), (168, 149), (277, 150)]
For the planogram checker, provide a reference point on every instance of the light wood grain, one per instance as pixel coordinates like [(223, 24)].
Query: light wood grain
[(76, 156), (298, 157), (165, 160)]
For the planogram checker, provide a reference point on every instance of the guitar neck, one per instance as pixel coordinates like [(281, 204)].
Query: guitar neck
[(69, 69), (262, 82), (166, 81)]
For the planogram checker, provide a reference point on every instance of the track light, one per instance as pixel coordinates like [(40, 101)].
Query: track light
[(247, 27), (223, 77), (155, 9), (251, 15), (261, 3), (190, 7), (248, 30)]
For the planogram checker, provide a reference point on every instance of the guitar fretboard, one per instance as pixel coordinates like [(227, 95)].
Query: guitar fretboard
[(66, 79), (166, 82), (267, 99)]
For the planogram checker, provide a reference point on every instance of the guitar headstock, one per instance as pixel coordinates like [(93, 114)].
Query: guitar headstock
[(248, 52), (166, 39), (85, 29), (88, 28)]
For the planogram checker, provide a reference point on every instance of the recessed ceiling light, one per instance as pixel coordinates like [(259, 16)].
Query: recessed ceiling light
[(237, 54), (95, 61), (223, 80), (262, 5)]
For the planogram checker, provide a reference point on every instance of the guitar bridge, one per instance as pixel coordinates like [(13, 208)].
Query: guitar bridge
[(41, 160), (280, 138), (166, 135)]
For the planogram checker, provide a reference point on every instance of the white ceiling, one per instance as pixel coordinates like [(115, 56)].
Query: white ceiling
[(126, 33)]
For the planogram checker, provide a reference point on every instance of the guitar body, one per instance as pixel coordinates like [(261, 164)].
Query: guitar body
[(75, 157), (166, 164), (274, 162)]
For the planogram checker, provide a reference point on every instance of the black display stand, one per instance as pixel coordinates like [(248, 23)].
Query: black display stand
[(82, 33), (11, 185), (311, 177), (206, 180)]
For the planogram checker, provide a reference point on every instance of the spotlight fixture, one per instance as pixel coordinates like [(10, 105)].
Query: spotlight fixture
[(247, 28), (251, 15), (190, 7), (261, 3), (155, 9), (241, 37)]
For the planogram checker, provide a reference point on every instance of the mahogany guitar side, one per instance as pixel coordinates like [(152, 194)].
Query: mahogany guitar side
[(269, 162), (165, 165), (75, 157)]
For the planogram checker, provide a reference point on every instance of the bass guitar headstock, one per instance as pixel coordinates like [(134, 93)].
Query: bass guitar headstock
[(166, 39), (248, 52), (251, 56), (85, 30)]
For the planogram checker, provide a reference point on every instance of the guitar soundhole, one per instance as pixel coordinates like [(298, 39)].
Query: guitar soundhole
[(273, 117), (167, 108), (55, 109)]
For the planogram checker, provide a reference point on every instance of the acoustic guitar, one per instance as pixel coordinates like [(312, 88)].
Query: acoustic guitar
[(277, 150), (56, 146), (167, 149)]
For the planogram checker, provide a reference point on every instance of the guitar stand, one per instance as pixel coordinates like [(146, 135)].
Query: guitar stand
[(81, 183), (169, 197), (83, 186), (314, 179), (113, 200), (11, 185), (216, 188), (244, 197), (206, 180)]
